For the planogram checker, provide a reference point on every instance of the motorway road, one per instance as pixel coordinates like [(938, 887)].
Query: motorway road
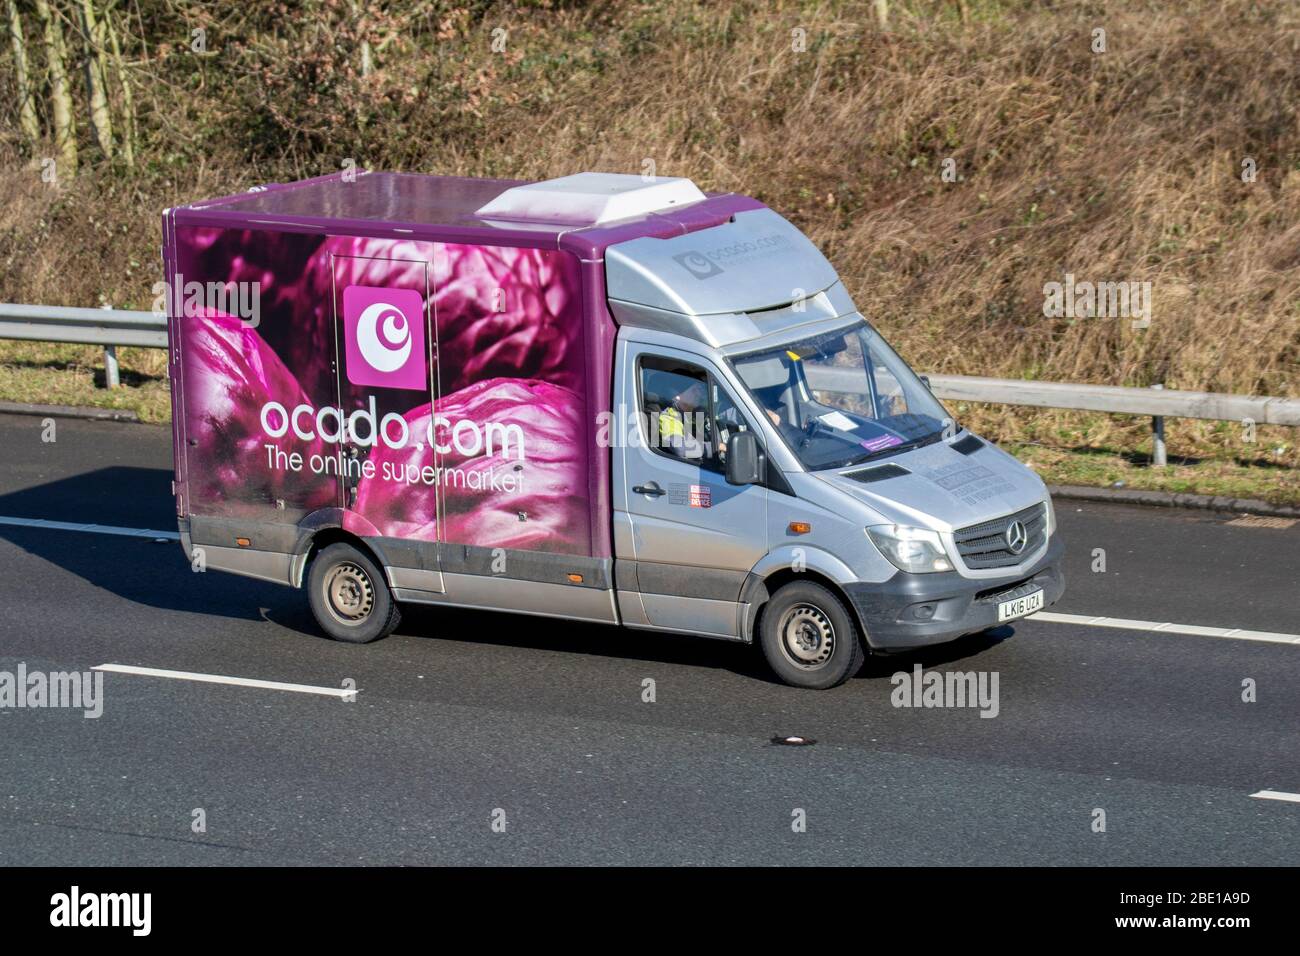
[(465, 717)]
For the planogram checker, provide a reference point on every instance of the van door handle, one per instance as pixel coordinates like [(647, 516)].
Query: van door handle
[(652, 489)]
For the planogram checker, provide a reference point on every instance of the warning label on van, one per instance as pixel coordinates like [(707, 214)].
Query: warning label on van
[(693, 496)]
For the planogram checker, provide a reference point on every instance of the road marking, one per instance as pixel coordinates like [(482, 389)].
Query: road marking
[(221, 679), (1235, 633), (89, 528), (1278, 795)]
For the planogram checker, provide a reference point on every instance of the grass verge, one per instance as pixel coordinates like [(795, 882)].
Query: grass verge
[(41, 373), (1108, 467)]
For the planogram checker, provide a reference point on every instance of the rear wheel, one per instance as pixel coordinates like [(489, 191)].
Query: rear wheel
[(349, 596), (809, 638)]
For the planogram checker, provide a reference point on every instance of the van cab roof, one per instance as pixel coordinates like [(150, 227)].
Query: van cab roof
[(583, 213)]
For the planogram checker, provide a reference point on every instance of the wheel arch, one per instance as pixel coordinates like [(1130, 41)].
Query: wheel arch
[(315, 541), (759, 591)]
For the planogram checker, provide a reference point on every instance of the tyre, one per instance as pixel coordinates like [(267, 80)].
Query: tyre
[(350, 597), (809, 638)]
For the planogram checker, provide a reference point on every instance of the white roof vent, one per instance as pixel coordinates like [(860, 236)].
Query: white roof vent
[(589, 199)]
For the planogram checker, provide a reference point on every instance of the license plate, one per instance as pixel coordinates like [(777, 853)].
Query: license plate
[(1019, 607)]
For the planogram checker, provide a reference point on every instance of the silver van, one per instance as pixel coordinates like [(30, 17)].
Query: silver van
[(708, 437)]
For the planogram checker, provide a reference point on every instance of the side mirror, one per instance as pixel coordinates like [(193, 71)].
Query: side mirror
[(925, 380), (744, 463)]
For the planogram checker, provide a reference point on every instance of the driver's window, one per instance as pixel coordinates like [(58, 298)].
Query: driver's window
[(685, 413), (675, 408)]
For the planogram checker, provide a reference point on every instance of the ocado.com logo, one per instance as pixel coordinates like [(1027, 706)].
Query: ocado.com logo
[(705, 264), (384, 333), (365, 427), (697, 264), (390, 353)]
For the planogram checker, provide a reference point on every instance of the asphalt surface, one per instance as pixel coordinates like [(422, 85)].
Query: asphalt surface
[(463, 719)]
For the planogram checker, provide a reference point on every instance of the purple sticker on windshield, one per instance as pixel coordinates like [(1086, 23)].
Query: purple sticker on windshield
[(881, 441)]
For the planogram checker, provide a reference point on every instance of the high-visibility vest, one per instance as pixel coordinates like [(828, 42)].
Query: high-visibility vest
[(670, 424)]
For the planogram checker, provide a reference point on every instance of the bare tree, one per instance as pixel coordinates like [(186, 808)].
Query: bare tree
[(128, 99), (367, 58), (65, 127), (26, 106), (93, 36)]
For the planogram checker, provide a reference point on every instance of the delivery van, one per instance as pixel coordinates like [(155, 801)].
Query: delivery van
[(604, 398)]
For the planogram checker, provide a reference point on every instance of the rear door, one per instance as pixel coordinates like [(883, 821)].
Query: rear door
[(693, 538), (386, 358)]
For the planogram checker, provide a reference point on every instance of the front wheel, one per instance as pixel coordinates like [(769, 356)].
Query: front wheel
[(349, 596), (809, 638)]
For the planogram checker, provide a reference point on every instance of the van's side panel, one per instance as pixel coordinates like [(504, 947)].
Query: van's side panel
[(253, 325), (494, 461), (513, 351)]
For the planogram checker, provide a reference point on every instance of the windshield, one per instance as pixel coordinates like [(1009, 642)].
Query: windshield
[(842, 397)]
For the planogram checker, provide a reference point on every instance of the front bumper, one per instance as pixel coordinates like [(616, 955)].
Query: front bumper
[(913, 610)]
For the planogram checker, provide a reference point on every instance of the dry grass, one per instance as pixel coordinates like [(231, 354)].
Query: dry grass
[(1117, 166)]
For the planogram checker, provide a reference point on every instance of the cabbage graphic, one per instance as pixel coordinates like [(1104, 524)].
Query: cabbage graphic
[(548, 512), (537, 334), (298, 328), (230, 373)]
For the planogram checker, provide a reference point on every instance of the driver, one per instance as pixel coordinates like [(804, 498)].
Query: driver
[(679, 422)]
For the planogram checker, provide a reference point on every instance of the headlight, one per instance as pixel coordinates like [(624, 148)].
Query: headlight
[(1051, 517), (910, 549)]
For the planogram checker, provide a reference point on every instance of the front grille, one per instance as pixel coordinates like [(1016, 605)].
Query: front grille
[(1005, 592), (984, 545)]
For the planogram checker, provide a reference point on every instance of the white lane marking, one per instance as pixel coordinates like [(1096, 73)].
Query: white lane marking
[(221, 679), (1277, 795), (89, 528), (1235, 633)]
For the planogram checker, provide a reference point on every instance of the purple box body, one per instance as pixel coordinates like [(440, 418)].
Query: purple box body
[(369, 354)]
